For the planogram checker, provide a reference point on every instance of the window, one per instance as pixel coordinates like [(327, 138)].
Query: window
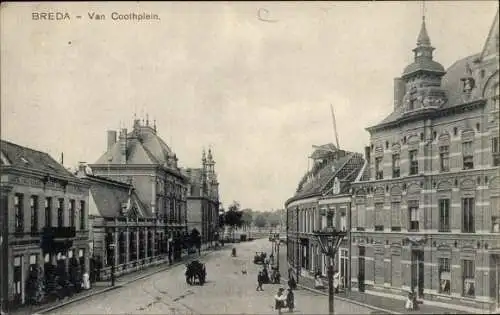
[(82, 215), (444, 158), (379, 216), (495, 151), (343, 222), (379, 173), (395, 165), (34, 213), (72, 213), (444, 215), (468, 215), (414, 214), (495, 224), (395, 216), (413, 162), (455, 131), (468, 156), (60, 213), (48, 212), (444, 275), (468, 277), (19, 213)]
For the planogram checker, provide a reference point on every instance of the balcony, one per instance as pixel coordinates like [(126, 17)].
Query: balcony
[(59, 232)]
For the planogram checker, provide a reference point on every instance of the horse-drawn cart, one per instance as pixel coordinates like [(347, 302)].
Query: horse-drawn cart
[(195, 273)]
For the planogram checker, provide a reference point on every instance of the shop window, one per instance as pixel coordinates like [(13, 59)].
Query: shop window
[(444, 276), (468, 278)]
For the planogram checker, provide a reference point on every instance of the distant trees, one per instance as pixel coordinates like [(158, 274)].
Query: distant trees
[(233, 217), (247, 218), (260, 221)]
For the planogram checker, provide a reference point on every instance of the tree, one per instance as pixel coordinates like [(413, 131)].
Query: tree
[(233, 217), (260, 221), (247, 218)]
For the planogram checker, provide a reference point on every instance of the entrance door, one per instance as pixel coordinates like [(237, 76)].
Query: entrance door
[(344, 267), (18, 280), (417, 272), (361, 269)]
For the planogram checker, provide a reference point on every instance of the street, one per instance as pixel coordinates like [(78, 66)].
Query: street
[(227, 291)]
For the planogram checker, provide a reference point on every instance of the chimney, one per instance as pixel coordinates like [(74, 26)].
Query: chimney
[(111, 139), (123, 146), (399, 92)]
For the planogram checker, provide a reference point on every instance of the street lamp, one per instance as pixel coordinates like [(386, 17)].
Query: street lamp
[(112, 249), (329, 239)]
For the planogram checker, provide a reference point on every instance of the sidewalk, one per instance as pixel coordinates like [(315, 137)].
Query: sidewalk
[(379, 303), (103, 286)]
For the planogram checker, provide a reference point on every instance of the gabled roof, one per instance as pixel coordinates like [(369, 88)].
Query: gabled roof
[(22, 157), (491, 44), (111, 196)]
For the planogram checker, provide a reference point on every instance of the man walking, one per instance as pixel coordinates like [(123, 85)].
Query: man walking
[(260, 280)]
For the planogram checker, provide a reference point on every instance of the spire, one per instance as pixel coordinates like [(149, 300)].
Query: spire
[(210, 158), (203, 156), (423, 38)]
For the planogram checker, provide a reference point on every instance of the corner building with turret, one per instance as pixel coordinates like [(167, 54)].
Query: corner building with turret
[(426, 209)]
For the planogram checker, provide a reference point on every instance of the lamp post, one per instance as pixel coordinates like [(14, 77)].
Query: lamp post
[(329, 239), (112, 249)]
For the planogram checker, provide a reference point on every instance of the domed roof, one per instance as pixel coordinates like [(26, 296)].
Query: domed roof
[(424, 65)]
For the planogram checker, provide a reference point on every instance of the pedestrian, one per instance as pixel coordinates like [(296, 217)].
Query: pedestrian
[(279, 300), (292, 284), (260, 280), (290, 300)]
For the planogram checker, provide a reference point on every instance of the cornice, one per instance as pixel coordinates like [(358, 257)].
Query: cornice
[(457, 109), (43, 176)]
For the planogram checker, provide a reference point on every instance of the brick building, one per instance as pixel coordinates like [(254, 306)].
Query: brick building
[(142, 159), (426, 209), (203, 199), (44, 216), (323, 198)]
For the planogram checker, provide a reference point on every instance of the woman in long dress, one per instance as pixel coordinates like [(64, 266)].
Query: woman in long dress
[(279, 300)]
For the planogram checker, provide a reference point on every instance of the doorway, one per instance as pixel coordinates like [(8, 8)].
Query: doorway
[(18, 280), (361, 269), (344, 267), (417, 272)]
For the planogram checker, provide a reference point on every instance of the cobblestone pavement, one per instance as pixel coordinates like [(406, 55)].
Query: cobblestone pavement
[(227, 291)]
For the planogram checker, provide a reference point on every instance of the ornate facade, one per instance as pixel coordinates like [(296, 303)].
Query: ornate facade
[(124, 232), (44, 223), (142, 159), (322, 198), (203, 199), (426, 209)]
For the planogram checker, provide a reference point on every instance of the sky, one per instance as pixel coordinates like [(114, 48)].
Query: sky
[(253, 80)]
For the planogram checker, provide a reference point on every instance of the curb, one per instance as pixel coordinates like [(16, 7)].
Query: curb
[(340, 298), (125, 283)]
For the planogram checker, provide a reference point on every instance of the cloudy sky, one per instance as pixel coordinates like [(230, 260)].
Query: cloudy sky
[(253, 80)]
